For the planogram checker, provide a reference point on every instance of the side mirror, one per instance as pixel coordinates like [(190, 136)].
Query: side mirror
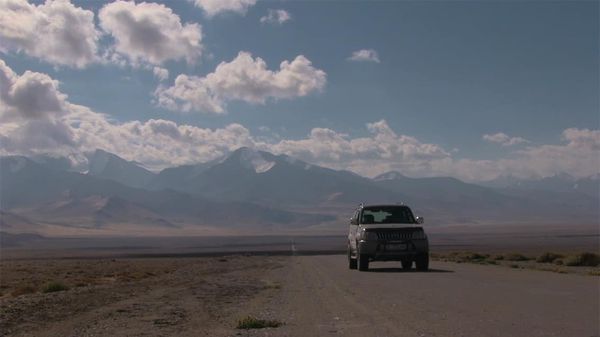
[(420, 220), (353, 222)]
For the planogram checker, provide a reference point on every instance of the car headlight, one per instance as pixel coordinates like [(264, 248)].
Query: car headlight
[(368, 235)]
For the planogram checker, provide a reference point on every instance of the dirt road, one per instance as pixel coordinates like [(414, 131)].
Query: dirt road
[(321, 297), (311, 295)]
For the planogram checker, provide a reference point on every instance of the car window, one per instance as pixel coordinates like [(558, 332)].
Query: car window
[(386, 215)]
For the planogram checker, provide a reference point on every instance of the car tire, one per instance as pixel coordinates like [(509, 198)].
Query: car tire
[(407, 264), (363, 262), (422, 262)]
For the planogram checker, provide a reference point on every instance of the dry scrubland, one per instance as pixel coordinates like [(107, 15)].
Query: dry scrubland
[(233, 295), (585, 263), (130, 297)]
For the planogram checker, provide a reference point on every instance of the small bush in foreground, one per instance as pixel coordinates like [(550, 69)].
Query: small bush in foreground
[(54, 286), (583, 259), (516, 257), (594, 272), (548, 257), (250, 322)]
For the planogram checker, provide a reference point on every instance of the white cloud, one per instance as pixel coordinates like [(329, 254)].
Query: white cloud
[(36, 118), (29, 96), (365, 55), (383, 150), (214, 7), (160, 73), (55, 31), (276, 16), (244, 79), (150, 33), (504, 139)]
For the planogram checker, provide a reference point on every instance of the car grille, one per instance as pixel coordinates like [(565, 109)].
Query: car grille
[(395, 235)]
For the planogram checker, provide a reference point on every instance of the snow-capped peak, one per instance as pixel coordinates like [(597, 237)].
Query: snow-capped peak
[(252, 159)]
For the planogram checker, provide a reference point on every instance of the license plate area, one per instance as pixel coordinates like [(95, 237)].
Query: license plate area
[(396, 247)]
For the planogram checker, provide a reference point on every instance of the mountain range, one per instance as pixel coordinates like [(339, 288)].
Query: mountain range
[(256, 190)]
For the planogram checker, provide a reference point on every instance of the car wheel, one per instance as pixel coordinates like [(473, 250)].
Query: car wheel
[(363, 262), (407, 264), (422, 262)]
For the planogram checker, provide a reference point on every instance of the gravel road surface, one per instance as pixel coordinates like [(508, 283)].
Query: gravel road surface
[(311, 295), (320, 296)]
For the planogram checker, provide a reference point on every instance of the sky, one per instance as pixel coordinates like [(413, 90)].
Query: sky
[(469, 89)]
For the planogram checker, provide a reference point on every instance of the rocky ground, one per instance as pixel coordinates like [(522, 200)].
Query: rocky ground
[(133, 297)]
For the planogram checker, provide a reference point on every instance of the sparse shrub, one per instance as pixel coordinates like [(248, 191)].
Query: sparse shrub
[(23, 290), (250, 322), (559, 262), (583, 259), (515, 266), (468, 257), (499, 257), (516, 257), (594, 272), (548, 257), (54, 286)]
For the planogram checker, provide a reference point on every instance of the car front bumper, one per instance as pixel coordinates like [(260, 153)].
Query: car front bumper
[(393, 250)]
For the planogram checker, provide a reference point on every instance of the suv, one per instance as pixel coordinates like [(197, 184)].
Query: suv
[(387, 233)]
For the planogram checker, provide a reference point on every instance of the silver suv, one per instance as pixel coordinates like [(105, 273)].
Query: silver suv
[(387, 233)]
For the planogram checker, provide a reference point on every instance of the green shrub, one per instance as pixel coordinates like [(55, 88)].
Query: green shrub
[(548, 257), (54, 286), (250, 322), (583, 259)]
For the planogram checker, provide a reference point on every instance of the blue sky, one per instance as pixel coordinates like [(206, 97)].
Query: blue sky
[(447, 74)]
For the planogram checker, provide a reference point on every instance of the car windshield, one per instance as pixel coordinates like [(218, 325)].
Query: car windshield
[(386, 215)]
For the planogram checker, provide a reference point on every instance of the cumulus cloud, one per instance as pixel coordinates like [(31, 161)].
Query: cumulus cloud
[(29, 96), (160, 73), (383, 150), (503, 139), (276, 16), (55, 31), (53, 125), (244, 79), (215, 7), (365, 55), (150, 33)]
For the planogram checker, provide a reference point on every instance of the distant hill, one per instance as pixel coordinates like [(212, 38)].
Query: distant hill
[(558, 183), (43, 195), (106, 165), (261, 177), (451, 199), (256, 189)]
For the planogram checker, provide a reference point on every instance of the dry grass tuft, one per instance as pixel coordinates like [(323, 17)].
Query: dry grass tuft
[(54, 286), (250, 322), (585, 259)]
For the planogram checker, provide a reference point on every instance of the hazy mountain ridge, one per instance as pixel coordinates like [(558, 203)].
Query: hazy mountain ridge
[(561, 182), (252, 188), (106, 165), (43, 195)]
